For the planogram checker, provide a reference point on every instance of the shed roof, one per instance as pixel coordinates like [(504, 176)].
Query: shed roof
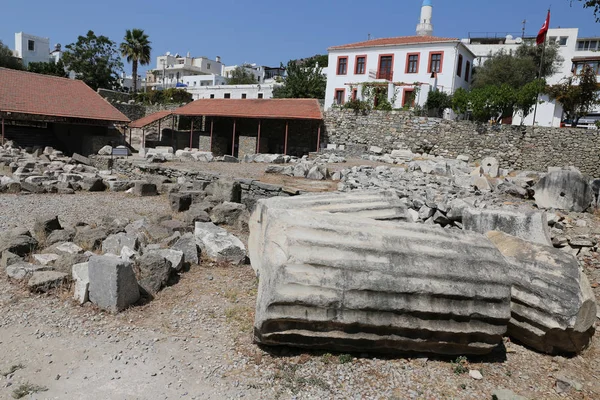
[(35, 94), (254, 108), (150, 119)]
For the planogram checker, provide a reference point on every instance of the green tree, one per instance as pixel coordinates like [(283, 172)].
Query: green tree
[(519, 68), (7, 60), (492, 103), (527, 96), (95, 60), (595, 4), (241, 76), (578, 95), (460, 101), (438, 101), (302, 82), (136, 49), (48, 68)]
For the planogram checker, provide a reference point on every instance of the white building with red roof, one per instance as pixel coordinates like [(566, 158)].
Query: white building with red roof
[(402, 70)]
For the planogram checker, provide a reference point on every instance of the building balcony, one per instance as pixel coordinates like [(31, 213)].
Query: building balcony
[(381, 74)]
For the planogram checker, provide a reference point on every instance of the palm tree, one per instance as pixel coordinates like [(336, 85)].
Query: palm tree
[(136, 48)]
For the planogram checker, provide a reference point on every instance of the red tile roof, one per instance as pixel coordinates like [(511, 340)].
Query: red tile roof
[(29, 93), (150, 119), (395, 41), (254, 108)]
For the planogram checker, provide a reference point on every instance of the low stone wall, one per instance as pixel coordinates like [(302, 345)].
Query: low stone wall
[(252, 190), (523, 148)]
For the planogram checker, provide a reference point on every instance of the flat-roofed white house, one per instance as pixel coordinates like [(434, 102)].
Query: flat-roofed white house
[(407, 67)]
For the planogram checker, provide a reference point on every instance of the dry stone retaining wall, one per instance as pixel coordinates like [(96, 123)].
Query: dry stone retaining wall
[(523, 148)]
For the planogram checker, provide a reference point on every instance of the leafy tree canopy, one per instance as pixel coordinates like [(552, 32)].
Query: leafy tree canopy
[(577, 94), (7, 60), (241, 76), (48, 68), (302, 81), (519, 68), (95, 60)]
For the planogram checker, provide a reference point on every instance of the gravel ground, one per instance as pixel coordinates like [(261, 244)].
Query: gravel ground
[(195, 341), (22, 209)]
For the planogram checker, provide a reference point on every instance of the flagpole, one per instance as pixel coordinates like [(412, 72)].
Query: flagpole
[(537, 97)]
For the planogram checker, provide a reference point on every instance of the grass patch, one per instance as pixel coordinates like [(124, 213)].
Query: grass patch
[(290, 379), (345, 358), (12, 369), (242, 316), (460, 365), (27, 388)]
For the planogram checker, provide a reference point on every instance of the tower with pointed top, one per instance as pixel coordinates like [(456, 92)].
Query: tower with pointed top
[(425, 27)]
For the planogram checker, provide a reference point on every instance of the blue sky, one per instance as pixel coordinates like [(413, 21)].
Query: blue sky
[(268, 32)]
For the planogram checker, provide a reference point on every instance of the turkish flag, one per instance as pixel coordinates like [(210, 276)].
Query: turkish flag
[(541, 37)]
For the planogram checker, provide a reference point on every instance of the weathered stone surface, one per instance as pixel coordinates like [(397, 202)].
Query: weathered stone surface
[(90, 238), (142, 188), (490, 166), (218, 244), (59, 236), (22, 270), (44, 226), (564, 190), (81, 278), (225, 190), (506, 394), (187, 245), (17, 241), (46, 258), (9, 258), (227, 213), (95, 184), (154, 271), (347, 283), (175, 258), (196, 213), (42, 281), (119, 186), (114, 243), (80, 159), (527, 225), (180, 201), (113, 285), (553, 306)]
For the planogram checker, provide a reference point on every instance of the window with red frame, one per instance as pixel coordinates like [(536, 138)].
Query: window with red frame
[(435, 62), (360, 65), (354, 94), (412, 66), (339, 96), (409, 98), (342, 67)]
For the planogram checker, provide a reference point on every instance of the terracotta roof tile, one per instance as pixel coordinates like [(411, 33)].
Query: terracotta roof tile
[(29, 93), (395, 41), (255, 108), (150, 119)]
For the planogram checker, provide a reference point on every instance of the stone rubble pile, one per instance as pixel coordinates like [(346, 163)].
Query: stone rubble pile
[(334, 276)]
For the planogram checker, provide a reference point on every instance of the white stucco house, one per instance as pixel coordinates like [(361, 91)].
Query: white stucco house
[(31, 48), (407, 67), (575, 51), (256, 91), (171, 69)]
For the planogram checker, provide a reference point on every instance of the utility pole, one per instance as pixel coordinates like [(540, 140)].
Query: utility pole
[(524, 24)]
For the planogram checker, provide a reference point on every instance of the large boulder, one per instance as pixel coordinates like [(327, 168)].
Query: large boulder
[(527, 225), (180, 201), (113, 285), (348, 283), (227, 213), (218, 244), (187, 245), (155, 270), (90, 238), (44, 226), (564, 190), (225, 190), (114, 243), (81, 278), (43, 281), (18, 241), (553, 306)]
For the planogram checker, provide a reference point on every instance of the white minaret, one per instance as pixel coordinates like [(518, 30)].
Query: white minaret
[(425, 27)]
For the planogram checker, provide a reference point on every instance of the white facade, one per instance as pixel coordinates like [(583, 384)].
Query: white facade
[(30, 48), (204, 80), (413, 63), (171, 69), (425, 26), (264, 91), (574, 55), (255, 70)]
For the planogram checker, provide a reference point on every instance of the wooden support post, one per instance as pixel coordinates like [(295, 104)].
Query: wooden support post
[(258, 139), (318, 137), (233, 141), (212, 120), (143, 138), (130, 138), (191, 133), (287, 123), (2, 131), (159, 131), (173, 132)]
